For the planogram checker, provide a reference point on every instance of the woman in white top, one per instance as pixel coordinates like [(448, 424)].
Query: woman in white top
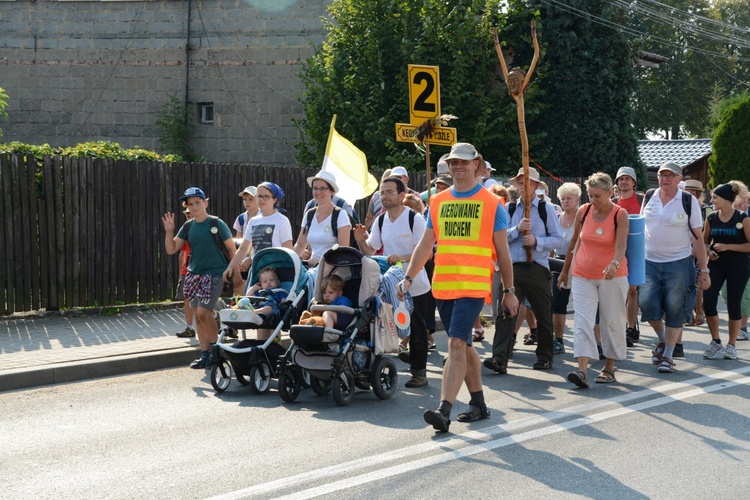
[(270, 228), (319, 235)]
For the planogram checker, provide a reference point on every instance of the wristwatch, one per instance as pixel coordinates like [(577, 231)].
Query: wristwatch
[(510, 290), (408, 278)]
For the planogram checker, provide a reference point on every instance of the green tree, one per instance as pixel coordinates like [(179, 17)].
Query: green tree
[(3, 105), (577, 107), (586, 81), (175, 133), (360, 74), (731, 149), (704, 60)]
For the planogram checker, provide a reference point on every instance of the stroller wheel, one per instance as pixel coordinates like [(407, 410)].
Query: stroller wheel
[(319, 386), (289, 385), (343, 388), (221, 375), (260, 377), (384, 378)]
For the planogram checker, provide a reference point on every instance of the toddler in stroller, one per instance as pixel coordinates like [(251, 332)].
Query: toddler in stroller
[(254, 361), (267, 287), (332, 289), (347, 354)]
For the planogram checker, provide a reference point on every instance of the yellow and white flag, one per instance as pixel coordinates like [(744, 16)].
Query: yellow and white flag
[(349, 165)]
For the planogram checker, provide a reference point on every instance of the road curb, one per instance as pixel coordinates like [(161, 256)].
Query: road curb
[(25, 378)]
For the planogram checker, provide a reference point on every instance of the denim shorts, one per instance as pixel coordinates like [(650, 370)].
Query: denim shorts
[(668, 292), (459, 316)]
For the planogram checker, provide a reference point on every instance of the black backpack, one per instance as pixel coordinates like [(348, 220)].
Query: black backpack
[(334, 223), (511, 208), (687, 206), (381, 218)]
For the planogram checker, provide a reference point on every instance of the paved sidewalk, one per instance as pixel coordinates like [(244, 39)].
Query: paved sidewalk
[(54, 349)]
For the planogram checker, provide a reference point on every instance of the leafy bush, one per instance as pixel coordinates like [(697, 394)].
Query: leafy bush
[(97, 149)]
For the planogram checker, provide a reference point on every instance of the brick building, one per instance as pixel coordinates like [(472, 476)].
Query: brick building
[(84, 70)]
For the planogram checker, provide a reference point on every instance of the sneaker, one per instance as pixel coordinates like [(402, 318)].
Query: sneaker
[(431, 346), (679, 351), (416, 381), (657, 353), (437, 420), (557, 346), (187, 333), (602, 357), (743, 334), (530, 338), (714, 351), (730, 352), (666, 366), (201, 363)]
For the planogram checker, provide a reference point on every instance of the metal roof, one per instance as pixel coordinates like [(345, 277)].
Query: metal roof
[(682, 151)]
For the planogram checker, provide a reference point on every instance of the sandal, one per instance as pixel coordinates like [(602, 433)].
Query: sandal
[(477, 335), (474, 413), (579, 379), (606, 377)]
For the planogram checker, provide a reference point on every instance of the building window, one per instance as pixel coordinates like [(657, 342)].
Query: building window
[(206, 113)]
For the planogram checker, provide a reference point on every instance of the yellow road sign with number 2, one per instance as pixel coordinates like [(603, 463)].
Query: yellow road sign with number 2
[(424, 93)]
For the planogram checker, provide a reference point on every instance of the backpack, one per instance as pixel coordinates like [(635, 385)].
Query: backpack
[(687, 206), (588, 209), (638, 198), (339, 202), (217, 239), (381, 219), (511, 208), (334, 223)]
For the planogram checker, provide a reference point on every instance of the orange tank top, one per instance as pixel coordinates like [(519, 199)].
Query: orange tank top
[(596, 248)]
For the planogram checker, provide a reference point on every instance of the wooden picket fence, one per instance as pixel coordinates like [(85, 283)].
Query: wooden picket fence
[(80, 232)]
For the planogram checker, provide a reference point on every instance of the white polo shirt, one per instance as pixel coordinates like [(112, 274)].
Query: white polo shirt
[(668, 238)]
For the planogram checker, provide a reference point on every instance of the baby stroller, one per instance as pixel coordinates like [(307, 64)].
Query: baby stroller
[(254, 362), (340, 360)]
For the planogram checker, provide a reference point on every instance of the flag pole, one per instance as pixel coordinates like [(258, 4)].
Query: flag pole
[(330, 134), (429, 187)]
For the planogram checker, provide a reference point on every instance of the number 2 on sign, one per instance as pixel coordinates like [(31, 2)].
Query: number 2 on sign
[(421, 103)]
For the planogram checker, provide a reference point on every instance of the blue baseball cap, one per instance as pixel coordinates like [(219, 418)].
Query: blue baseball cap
[(193, 191)]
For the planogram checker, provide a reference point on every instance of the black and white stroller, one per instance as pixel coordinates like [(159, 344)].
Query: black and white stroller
[(340, 360), (254, 362)]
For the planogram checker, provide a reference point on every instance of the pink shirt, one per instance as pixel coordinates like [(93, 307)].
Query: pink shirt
[(596, 248)]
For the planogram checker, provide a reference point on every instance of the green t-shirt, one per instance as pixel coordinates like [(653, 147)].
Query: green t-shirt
[(205, 256)]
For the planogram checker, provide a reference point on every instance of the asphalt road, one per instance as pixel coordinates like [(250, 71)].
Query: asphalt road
[(167, 434)]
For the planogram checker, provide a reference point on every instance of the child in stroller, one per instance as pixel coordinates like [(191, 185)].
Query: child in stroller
[(254, 361), (267, 287), (332, 290), (340, 359)]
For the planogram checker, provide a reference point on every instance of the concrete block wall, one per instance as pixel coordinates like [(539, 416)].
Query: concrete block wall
[(87, 70)]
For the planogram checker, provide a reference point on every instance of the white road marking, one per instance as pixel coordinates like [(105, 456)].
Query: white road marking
[(547, 420)]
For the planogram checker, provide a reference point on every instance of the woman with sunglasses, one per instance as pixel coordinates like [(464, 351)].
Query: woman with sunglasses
[(318, 222)]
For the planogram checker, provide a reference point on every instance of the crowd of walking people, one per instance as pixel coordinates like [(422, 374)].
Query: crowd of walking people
[(468, 241)]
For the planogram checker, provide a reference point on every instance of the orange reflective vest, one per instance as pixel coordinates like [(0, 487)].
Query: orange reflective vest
[(463, 228)]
